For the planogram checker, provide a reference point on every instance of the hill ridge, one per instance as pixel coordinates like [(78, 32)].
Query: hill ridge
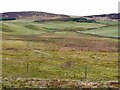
[(32, 15)]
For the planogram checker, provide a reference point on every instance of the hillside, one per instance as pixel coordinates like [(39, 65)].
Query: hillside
[(113, 16), (32, 15), (59, 54), (71, 53)]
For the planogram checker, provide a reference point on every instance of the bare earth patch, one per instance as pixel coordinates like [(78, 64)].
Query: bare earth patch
[(40, 83)]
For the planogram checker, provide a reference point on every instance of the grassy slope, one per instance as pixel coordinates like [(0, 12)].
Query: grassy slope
[(36, 28), (110, 30), (60, 65), (39, 46)]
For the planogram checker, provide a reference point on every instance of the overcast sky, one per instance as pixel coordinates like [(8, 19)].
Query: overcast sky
[(70, 7)]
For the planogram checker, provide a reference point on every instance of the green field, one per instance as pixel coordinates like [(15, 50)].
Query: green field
[(60, 50), (27, 28), (110, 31)]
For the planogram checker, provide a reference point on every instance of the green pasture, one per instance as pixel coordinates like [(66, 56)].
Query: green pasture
[(110, 31), (27, 28)]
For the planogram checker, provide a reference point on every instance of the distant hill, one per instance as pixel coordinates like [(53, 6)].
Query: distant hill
[(113, 16), (33, 15)]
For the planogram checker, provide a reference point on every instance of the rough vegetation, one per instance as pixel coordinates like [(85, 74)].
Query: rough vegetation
[(59, 54)]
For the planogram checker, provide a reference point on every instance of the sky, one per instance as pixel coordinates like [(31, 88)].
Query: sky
[(68, 7)]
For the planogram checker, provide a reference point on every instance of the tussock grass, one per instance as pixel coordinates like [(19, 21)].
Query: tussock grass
[(53, 50)]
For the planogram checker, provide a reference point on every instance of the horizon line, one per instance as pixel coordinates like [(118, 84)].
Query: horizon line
[(59, 13)]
